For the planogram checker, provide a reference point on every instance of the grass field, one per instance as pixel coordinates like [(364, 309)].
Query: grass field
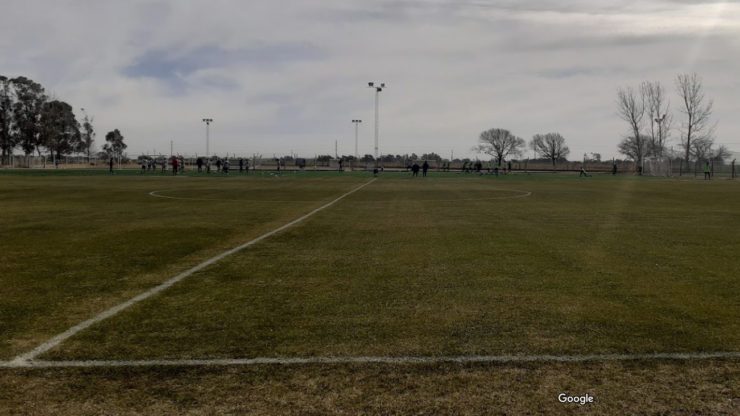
[(452, 265)]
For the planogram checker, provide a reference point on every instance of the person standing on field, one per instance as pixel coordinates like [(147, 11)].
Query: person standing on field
[(199, 163), (241, 165), (143, 166), (510, 166), (707, 172), (164, 164), (246, 166), (218, 165), (415, 170), (208, 166), (425, 168), (614, 170), (174, 166)]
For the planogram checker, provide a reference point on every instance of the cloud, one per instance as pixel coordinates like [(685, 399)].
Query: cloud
[(291, 75)]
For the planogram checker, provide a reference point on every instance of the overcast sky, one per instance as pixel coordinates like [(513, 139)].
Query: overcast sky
[(290, 75)]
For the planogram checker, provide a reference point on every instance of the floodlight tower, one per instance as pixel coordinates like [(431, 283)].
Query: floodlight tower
[(377, 121), (357, 132), (660, 130), (208, 122)]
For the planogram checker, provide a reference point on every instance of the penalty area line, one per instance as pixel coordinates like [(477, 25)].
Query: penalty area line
[(369, 360), (24, 358)]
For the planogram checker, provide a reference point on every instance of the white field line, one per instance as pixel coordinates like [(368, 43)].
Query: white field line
[(370, 360), (24, 358)]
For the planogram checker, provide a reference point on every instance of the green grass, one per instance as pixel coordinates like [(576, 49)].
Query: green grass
[(71, 247), (576, 268), (449, 265)]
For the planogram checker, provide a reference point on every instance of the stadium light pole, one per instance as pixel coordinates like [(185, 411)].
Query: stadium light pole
[(660, 130), (208, 122), (377, 115), (357, 132)]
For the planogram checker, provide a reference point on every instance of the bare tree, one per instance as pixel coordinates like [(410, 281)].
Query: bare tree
[(631, 108), (635, 149), (550, 146), (722, 153), (499, 143), (697, 111), (657, 108)]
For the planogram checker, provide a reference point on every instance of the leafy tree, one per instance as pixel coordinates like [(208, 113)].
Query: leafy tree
[(88, 136), (635, 149), (550, 146), (27, 110), (7, 120), (431, 156), (367, 159), (60, 128), (499, 143), (114, 145)]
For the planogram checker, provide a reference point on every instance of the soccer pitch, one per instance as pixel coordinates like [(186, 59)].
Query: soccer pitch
[(453, 293)]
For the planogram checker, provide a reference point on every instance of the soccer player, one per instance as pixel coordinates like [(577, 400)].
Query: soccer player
[(182, 164), (110, 163), (226, 166), (583, 173), (495, 168), (278, 165), (218, 164), (425, 168), (175, 162), (144, 166), (375, 172), (199, 162), (415, 170), (614, 170), (241, 165), (164, 164), (707, 172), (246, 166)]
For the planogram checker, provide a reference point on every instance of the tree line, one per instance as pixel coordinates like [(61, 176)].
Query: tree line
[(647, 112), (37, 122)]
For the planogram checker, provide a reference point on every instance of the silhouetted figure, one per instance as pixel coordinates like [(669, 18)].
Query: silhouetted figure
[(415, 170), (425, 168)]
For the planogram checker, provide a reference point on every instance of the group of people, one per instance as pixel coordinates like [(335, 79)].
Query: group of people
[(178, 165), (469, 167)]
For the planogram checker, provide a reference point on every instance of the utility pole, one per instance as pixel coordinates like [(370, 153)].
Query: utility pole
[(336, 153), (171, 147), (377, 113)]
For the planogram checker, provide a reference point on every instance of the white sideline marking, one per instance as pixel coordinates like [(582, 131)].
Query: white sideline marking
[(370, 360), (24, 358)]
